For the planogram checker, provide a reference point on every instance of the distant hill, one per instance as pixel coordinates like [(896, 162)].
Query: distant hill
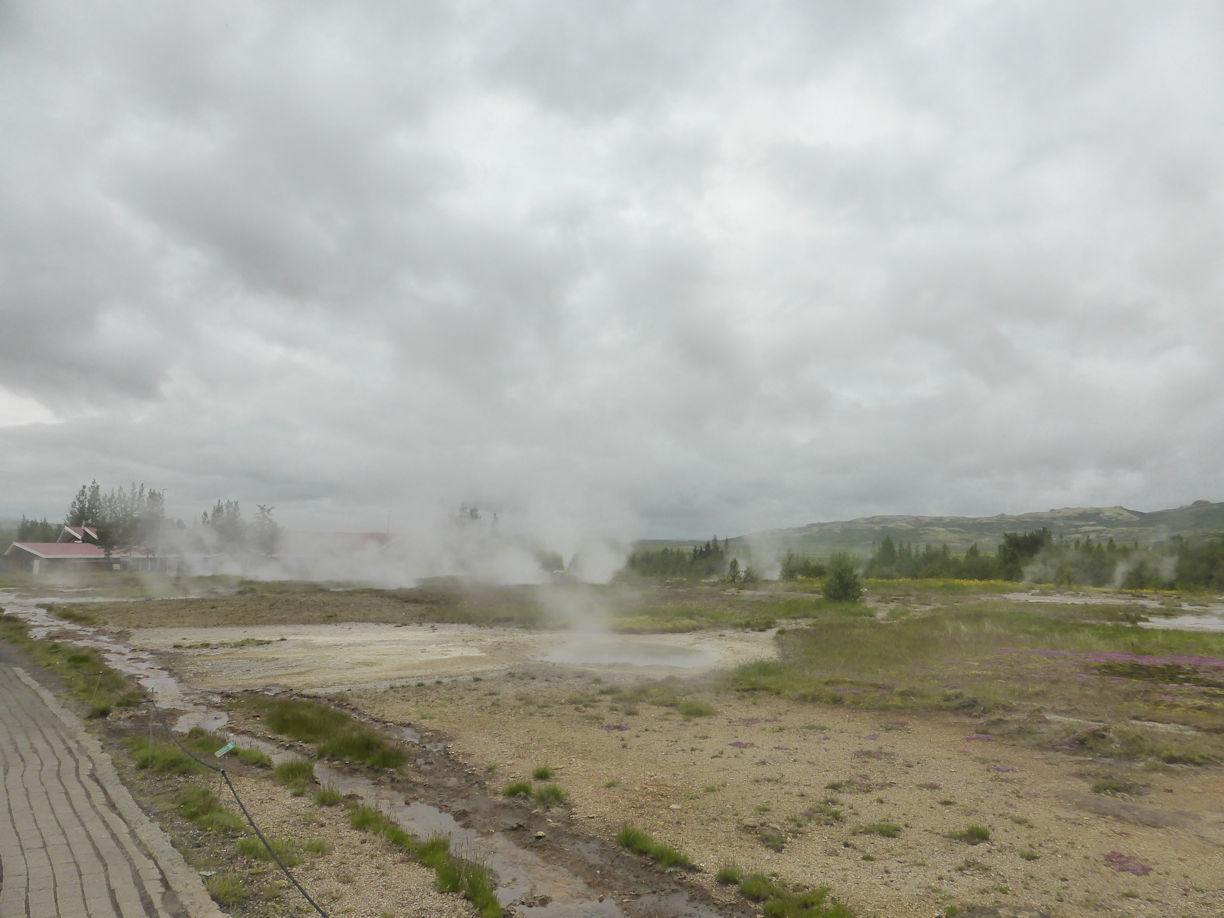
[(861, 536)]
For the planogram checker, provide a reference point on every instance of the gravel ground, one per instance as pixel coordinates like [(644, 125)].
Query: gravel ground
[(805, 791), (759, 785), (361, 876), (357, 875)]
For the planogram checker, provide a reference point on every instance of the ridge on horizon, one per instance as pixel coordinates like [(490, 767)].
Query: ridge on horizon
[(861, 534)]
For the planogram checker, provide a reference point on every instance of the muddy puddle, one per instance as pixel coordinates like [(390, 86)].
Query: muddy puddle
[(1186, 617)]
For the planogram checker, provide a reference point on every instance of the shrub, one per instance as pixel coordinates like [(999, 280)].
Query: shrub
[(842, 583)]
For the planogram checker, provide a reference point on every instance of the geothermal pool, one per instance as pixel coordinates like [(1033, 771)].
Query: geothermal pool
[(363, 655)]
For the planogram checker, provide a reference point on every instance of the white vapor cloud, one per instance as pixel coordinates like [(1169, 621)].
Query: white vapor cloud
[(613, 270)]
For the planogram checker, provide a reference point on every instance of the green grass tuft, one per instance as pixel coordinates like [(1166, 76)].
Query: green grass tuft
[(640, 842), (973, 835), (297, 774), (254, 758), (287, 851), (165, 758), (328, 796), (549, 795), (335, 734), (454, 874), (200, 806), (226, 889), (883, 828)]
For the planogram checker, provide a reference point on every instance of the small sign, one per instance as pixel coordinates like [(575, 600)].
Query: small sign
[(223, 750)]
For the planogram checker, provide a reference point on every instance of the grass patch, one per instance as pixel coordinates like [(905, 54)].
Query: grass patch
[(824, 813), (547, 795), (165, 758), (297, 775), (199, 805), (1117, 786), (328, 797), (980, 653), (974, 834), (335, 734), (640, 842), (757, 887), (454, 874), (691, 708), (85, 675), (74, 614), (883, 828), (542, 773), (254, 758), (777, 899), (517, 789), (226, 889), (202, 742), (286, 850)]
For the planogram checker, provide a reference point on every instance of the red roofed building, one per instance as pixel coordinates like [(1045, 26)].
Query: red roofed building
[(78, 534), (41, 557)]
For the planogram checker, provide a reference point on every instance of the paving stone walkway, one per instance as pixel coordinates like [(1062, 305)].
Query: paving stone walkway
[(73, 843)]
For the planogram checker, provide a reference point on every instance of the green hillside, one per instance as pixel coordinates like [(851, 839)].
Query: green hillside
[(959, 532)]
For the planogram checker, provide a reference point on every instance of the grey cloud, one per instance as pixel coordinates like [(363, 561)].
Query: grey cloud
[(676, 267)]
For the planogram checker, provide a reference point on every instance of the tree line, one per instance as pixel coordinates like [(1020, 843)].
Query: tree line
[(1037, 556), (701, 562), (133, 519)]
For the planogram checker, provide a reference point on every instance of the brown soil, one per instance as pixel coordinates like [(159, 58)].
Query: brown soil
[(760, 783), (756, 777)]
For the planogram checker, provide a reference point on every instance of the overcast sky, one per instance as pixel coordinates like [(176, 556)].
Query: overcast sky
[(639, 269)]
